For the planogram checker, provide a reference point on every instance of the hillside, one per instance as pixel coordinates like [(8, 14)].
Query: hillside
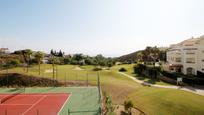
[(128, 57), (161, 52)]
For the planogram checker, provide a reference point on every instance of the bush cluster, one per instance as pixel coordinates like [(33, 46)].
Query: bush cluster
[(139, 68), (15, 79), (191, 80), (97, 69), (122, 69)]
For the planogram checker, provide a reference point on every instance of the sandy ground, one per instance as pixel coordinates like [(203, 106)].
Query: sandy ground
[(78, 68), (48, 71)]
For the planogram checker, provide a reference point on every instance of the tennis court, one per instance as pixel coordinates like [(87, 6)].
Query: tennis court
[(33, 104), (67, 101)]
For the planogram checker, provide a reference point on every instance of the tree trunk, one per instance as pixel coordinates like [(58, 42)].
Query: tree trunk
[(27, 68), (39, 67), (56, 72), (53, 72)]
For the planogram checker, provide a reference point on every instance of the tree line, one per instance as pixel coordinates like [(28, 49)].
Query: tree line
[(27, 57)]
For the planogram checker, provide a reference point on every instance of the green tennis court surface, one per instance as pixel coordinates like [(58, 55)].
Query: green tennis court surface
[(82, 100)]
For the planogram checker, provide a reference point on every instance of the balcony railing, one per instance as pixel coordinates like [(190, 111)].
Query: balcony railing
[(190, 62)]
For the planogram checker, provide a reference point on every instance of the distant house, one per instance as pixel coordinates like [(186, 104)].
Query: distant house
[(46, 58), (4, 50), (187, 57)]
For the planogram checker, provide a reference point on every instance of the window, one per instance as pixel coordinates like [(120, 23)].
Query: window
[(190, 60), (190, 71), (189, 45), (178, 59), (190, 52), (190, 49), (172, 58)]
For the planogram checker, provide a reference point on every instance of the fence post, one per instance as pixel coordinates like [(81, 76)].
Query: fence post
[(76, 79), (87, 79), (65, 79), (68, 113), (99, 110), (37, 112), (6, 79), (99, 90), (56, 72), (29, 80), (5, 111)]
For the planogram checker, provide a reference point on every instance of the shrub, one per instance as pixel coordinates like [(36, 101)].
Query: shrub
[(122, 69), (139, 68), (97, 69), (168, 80), (127, 106), (153, 72), (108, 104), (186, 79), (15, 79)]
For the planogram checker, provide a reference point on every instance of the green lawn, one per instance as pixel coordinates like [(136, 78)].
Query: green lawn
[(168, 101), (153, 101), (130, 71)]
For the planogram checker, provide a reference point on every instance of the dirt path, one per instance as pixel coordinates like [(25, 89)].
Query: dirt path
[(185, 88)]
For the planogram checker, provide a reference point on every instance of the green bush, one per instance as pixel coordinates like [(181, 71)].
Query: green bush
[(97, 69), (139, 68), (15, 79), (122, 69), (153, 72), (127, 106)]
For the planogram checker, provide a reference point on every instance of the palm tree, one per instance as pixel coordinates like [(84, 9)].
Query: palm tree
[(27, 55), (39, 57), (139, 56), (53, 61), (1, 63)]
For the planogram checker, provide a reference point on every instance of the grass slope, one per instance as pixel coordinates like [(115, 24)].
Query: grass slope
[(153, 101)]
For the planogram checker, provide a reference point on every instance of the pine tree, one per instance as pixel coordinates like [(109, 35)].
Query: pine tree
[(51, 52), (60, 54), (55, 53)]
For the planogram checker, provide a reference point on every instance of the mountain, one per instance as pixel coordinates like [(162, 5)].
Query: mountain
[(128, 57)]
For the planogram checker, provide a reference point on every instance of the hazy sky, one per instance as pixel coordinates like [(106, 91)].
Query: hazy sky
[(108, 27)]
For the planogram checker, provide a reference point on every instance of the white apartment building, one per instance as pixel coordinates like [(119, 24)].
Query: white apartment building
[(4, 50), (187, 57)]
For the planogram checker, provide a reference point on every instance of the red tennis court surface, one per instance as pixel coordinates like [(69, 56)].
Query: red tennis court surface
[(33, 104)]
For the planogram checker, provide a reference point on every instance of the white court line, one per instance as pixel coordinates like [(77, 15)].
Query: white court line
[(39, 95), (34, 104), (56, 95), (26, 95), (64, 103), (15, 104), (83, 87)]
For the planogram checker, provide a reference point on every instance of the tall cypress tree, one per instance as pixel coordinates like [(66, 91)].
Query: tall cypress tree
[(51, 52), (60, 54)]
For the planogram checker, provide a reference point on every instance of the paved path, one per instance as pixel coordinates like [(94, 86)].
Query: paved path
[(185, 88)]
